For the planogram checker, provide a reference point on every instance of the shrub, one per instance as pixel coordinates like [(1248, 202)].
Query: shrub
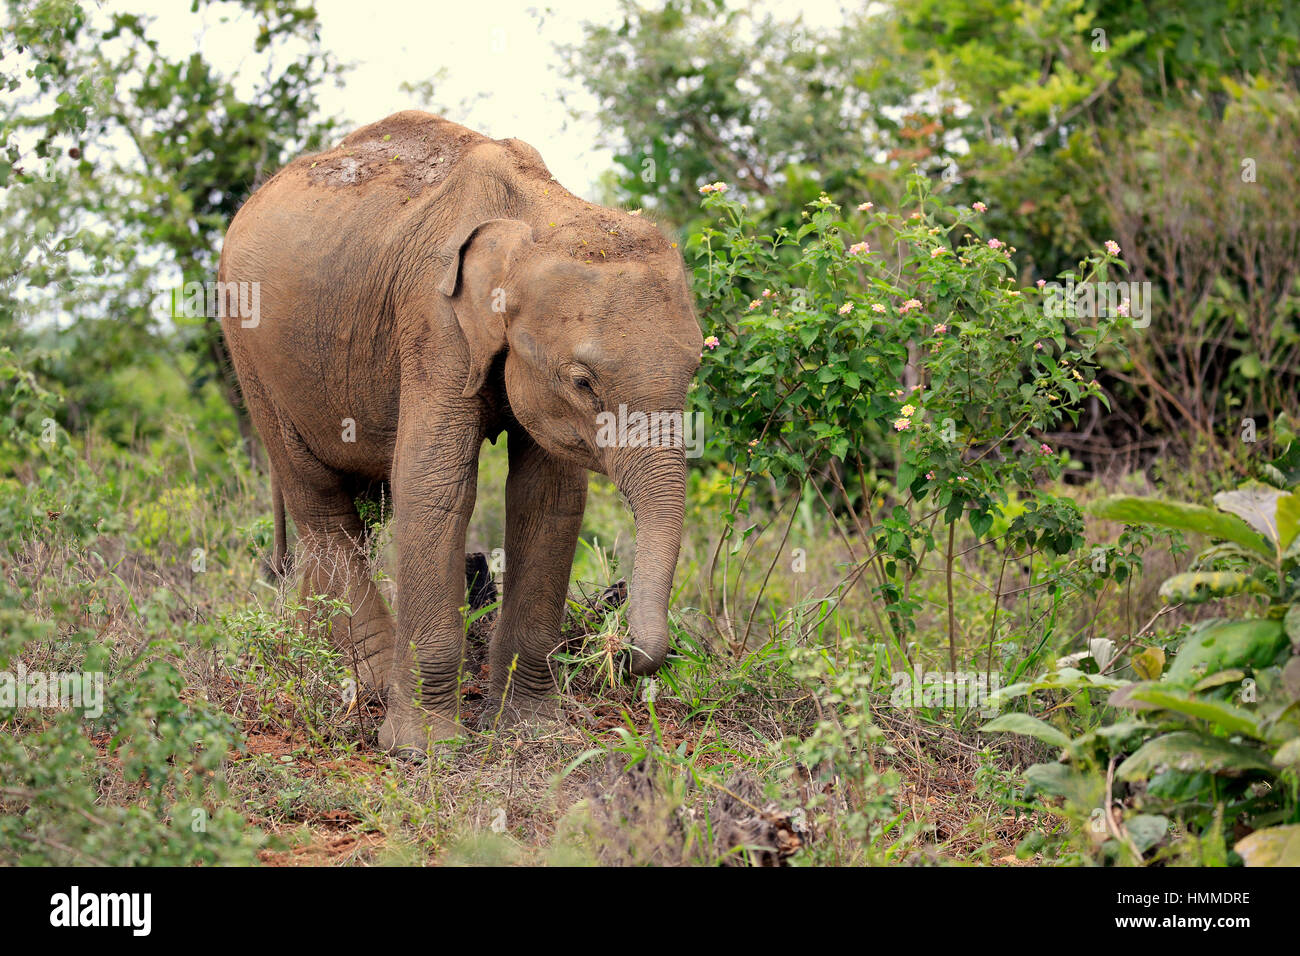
[(897, 343), (160, 750), (1214, 738)]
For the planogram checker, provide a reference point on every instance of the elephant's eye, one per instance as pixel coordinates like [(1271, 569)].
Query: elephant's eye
[(584, 383)]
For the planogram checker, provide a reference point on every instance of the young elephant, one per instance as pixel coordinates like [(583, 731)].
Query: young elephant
[(421, 288)]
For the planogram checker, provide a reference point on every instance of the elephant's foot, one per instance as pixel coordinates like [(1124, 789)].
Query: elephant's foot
[(519, 708), (374, 672), (409, 732)]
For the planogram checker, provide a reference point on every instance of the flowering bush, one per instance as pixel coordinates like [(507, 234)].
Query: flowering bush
[(893, 342)]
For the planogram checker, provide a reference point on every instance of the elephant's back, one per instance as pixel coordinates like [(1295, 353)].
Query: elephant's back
[(399, 157), (324, 241), (407, 152)]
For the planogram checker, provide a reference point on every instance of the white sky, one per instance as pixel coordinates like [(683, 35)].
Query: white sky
[(499, 55)]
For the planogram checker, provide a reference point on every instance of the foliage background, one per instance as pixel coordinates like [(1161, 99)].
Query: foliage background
[(1167, 127)]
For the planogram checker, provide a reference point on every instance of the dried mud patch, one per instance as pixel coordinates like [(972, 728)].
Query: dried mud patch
[(410, 152)]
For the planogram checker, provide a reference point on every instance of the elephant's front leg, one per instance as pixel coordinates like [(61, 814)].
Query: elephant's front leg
[(435, 472), (545, 499)]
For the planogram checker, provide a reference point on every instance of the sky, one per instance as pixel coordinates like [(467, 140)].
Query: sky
[(499, 57)]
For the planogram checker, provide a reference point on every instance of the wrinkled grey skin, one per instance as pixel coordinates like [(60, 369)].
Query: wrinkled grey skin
[(436, 288)]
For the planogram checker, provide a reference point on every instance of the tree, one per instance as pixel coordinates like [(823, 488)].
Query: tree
[(138, 159)]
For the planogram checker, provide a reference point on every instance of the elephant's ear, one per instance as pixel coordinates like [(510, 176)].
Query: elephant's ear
[(475, 282)]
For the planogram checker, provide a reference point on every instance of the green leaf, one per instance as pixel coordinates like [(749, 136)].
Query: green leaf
[(1029, 726), (1061, 780), (1183, 517), (1219, 645), (1230, 676), (1256, 505), (1288, 519), (1275, 846), (1229, 718), (1288, 755), (1146, 830), (1189, 753), (1292, 624), (1197, 587), (1149, 664)]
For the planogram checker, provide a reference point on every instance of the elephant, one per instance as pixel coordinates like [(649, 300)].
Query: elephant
[(417, 290)]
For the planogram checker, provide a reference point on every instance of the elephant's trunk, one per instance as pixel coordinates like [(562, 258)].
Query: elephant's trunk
[(654, 483)]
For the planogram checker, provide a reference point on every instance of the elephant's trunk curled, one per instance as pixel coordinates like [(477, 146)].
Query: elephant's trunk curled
[(654, 483)]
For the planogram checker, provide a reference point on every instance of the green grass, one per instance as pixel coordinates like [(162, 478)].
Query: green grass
[(787, 742)]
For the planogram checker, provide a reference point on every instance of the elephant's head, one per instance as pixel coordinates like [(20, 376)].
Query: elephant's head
[(601, 343)]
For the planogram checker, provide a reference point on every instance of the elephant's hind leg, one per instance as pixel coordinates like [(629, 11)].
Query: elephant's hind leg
[(336, 569)]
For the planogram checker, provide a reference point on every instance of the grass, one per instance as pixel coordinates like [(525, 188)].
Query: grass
[(784, 750)]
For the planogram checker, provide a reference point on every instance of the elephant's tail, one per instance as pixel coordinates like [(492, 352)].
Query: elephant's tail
[(279, 567)]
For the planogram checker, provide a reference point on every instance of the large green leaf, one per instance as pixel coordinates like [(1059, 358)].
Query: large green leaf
[(1196, 587), (1061, 780), (1257, 506), (1219, 645), (1287, 464), (1292, 624), (1189, 753), (1062, 679), (1288, 755), (1030, 726), (1288, 520), (1183, 517), (1146, 830), (1275, 846), (1232, 719)]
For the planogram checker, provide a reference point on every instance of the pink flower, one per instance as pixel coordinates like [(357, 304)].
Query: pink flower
[(902, 424), (1112, 247), (1045, 449), (915, 215), (877, 307), (996, 244), (929, 476), (846, 308), (940, 329), (768, 293), (859, 249), (936, 252), (714, 188), (909, 305), (711, 342), (1123, 308), (1041, 283), (961, 478), (866, 206), (755, 304), (979, 207)]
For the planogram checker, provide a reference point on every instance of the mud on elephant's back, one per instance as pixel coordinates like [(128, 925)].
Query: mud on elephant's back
[(410, 151)]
